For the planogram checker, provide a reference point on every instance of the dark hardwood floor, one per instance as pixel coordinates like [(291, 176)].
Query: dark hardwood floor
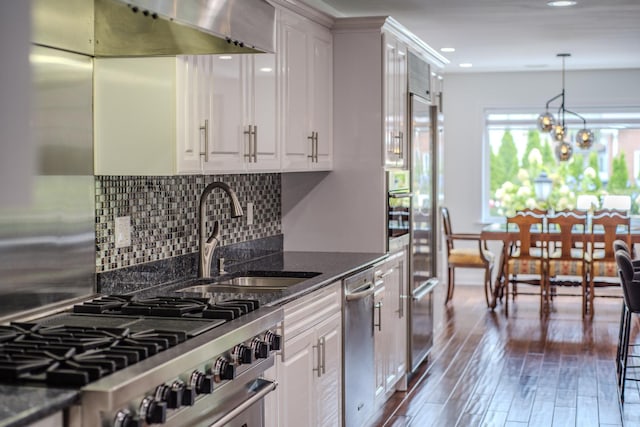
[(487, 369)]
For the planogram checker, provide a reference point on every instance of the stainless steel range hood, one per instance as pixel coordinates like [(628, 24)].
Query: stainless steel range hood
[(115, 28)]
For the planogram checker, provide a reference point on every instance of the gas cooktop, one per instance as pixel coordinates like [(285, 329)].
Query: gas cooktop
[(101, 336)]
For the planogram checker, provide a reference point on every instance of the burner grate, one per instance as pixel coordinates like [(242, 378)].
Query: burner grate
[(75, 356)]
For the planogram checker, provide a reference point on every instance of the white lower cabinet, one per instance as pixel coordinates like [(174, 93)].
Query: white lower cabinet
[(390, 326), (309, 368)]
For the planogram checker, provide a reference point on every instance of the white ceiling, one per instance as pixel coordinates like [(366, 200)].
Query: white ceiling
[(514, 35)]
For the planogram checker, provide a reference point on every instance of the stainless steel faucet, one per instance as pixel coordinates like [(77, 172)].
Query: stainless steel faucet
[(208, 244)]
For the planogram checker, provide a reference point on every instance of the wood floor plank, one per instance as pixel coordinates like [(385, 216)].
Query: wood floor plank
[(587, 412), (487, 369)]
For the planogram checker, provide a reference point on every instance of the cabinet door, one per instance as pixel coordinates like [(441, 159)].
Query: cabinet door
[(296, 91), (400, 276), (223, 105), (402, 100), (188, 121), (395, 103), (297, 381), (394, 321), (328, 388), (262, 111), (321, 101)]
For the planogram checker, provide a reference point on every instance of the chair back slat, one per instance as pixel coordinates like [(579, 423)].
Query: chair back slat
[(565, 228), (612, 224), (525, 222)]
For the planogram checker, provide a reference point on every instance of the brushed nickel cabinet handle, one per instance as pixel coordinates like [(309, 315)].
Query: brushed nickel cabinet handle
[(255, 143), (316, 154), (249, 133), (205, 128), (378, 306), (318, 369), (312, 139), (323, 343)]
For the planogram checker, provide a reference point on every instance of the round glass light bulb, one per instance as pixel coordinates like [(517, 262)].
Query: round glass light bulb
[(545, 122), (563, 150), (558, 132), (584, 138)]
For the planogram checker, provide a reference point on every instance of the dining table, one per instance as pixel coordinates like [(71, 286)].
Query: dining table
[(499, 232)]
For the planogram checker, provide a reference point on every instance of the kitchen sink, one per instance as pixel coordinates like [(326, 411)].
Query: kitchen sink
[(253, 281)]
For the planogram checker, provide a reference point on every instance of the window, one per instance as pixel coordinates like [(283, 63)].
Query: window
[(518, 154)]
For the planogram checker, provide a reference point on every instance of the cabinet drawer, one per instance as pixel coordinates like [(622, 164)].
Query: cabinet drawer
[(311, 309)]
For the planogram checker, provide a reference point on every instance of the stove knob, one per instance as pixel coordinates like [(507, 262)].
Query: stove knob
[(174, 397), (260, 348), (223, 370), (189, 396), (153, 411), (242, 354), (124, 418), (274, 340), (202, 383)]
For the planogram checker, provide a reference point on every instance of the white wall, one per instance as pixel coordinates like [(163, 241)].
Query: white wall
[(467, 96)]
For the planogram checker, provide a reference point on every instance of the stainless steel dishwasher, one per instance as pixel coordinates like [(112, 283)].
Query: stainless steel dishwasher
[(358, 367)]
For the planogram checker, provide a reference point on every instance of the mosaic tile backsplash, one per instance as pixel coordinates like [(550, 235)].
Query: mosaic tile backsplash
[(164, 214)]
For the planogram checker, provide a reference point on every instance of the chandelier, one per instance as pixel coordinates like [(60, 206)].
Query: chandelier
[(548, 123)]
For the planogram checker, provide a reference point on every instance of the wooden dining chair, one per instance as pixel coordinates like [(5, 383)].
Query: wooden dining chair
[(606, 227), (568, 260), (476, 255), (525, 260)]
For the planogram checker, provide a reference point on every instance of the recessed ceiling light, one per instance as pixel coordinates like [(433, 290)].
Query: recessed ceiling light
[(561, 3), (266, 69), (225, 57), (466, 65), (447, 49)]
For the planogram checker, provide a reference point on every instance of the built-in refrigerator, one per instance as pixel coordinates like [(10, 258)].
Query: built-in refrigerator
[(423, 122)]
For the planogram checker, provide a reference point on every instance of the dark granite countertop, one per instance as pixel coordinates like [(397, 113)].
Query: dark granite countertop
[(20, 406), (331, 266)]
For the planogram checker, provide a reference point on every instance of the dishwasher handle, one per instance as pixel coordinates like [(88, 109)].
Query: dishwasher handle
[(424, 288), (361, 293), (264, 387)]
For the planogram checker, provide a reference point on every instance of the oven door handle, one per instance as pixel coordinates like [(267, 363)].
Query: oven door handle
[(400, 195), (263, 388), (424, 289)]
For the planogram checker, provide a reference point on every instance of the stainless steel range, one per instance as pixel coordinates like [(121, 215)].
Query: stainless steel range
[(163, 360)]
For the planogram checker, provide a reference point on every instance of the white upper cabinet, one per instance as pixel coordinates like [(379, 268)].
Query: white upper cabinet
[(305, 54), (210, 114), (187, 114), (395, 102), (242, 101)]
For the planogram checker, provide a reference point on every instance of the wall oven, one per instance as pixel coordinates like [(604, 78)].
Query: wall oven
[(398, 204)]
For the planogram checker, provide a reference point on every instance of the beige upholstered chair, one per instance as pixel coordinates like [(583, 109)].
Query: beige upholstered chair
[(474, 256)]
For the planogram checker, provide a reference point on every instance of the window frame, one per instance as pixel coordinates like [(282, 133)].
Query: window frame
[(612, 117)]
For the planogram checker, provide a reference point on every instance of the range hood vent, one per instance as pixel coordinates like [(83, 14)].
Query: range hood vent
[(117, 28)]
